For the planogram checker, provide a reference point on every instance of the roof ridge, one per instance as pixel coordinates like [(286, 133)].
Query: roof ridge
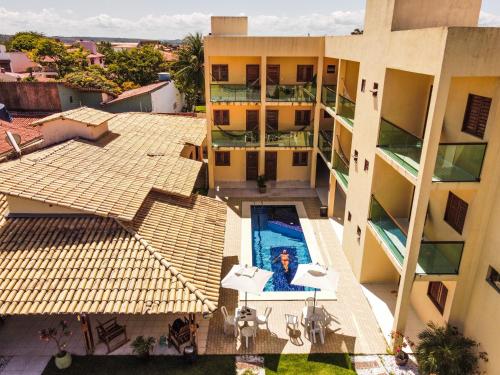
[(169, 266)]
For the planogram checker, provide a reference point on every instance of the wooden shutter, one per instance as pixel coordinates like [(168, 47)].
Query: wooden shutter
[(220, 72), (305, 73), (272, 119), (253, 73), (476, 115), (300, 159), (273, 75), (456, 211), (222, 158), (252, 120), (302, 117), (221, 117), (438, 293)]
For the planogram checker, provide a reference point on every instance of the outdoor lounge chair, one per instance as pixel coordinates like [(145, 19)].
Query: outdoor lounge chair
[(112, 334), (179, 333)]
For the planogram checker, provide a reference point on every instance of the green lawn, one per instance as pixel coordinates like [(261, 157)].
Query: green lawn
[(293, 364), (301, 364)]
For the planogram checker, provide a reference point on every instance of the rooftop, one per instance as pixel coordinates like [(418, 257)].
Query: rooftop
[(85, 115), (138, 91), (21, 125)]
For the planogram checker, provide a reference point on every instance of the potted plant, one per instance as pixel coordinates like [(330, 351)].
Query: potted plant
[(143, 346), (62, 358), (400, 342), (261, 183), (444, 350)]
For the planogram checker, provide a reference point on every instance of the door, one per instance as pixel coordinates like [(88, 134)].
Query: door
[(253, 74), (273, 75), (271, 165), (253, 120), (272, 119), (252, 165)]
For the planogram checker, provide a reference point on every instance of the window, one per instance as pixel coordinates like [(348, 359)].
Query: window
[(305, 73), (222, 158), (221, 116), (330, 69), (302, 117), (493, 278), (363, 85), (437, 293), (456, 210), (367, 165), (349, 216), (300, 159), (220, 72), (476, 115), (70, 99)]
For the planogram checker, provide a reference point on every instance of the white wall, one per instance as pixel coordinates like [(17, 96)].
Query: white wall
[(168, 99)]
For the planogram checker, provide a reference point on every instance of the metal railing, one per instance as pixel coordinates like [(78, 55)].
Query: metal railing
[(291, 93), (234, 138), (289, 139), (234, 93), (341, 169), (329, 95), (325, 145), (346, 109), (459, 162)]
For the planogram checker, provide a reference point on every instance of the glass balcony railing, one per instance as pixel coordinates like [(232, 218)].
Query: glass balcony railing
[(400, 145), (455, 162), (234, 93), (440, 257), (435, 257), (289, 139), (329, 95), (291, 93), (459, 162), (325, 145), (341, 169), (346, 109), (234, 138)]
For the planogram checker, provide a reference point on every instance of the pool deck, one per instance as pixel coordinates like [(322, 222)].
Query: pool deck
[(353, 328)]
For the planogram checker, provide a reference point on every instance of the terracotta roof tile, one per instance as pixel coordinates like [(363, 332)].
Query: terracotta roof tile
[(138, 91), (85, 115), (21, 125)]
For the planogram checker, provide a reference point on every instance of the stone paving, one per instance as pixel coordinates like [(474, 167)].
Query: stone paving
[(353, 327)]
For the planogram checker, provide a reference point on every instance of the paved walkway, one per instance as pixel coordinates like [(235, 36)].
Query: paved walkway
[(353, 328)]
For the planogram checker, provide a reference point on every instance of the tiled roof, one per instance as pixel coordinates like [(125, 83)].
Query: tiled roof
[(21, 125), (193, 240), (85, 115), (138, 91), (113, 176), (97, 265)]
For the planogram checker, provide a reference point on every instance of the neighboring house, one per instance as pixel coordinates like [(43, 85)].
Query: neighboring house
[(30, 136), (160, 97), (103, 223), (93, 57), (16, 62)]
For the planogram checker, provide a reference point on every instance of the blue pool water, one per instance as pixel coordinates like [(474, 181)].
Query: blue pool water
[(274, 229)]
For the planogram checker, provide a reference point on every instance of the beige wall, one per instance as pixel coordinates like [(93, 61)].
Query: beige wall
[(229, 25), (236, 171), (237, 67), (286, 116), (288, 67), (237, 115), (330, 78), (405, 100), (19, 206), (287, 172), (61, 130), (348, 79), (376, 266), (425, 309)]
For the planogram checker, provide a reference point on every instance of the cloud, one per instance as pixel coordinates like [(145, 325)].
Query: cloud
[(489, 19), (67, 23), (162, 26)]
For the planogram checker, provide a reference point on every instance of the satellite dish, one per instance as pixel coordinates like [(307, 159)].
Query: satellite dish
[(14, 140)]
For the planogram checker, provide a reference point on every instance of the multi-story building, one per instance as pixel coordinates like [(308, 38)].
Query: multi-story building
[(401, 125)]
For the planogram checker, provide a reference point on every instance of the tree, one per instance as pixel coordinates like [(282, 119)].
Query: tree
[(445, 351), (107, 50), (138, 65), (50, 52), (188, 69), (24, 41), (357, 32), (91, 79)]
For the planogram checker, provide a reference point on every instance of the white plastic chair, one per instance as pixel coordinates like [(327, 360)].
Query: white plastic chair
[(309, 301), (293, 321), (317, 327), (264, 319), (229, 320)]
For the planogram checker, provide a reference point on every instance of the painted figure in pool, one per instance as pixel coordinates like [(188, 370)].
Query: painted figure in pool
[(285, 259)]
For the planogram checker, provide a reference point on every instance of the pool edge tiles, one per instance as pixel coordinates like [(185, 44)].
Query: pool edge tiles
[(312, 244)]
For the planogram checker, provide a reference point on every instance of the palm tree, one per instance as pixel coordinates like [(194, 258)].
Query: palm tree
[(445, 351), (188, 69)]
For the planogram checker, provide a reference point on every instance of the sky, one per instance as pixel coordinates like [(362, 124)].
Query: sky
[(168, 19)]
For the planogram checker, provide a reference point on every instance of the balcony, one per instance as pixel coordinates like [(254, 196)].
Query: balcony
[(325, 145), (222, 138), (435, 257), (329, 95), (291, 93), (233, 93), (346, 109), (289, 139), (341, 170), (455, 162)]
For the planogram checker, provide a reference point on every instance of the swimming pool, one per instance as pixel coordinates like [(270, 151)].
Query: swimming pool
[(274, 229)]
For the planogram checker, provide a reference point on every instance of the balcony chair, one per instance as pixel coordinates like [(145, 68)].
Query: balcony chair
[(229, 321), (264, 319), (112, 334), (179, 333)]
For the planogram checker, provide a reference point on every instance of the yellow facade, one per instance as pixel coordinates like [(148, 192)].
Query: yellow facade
[(398, 95)]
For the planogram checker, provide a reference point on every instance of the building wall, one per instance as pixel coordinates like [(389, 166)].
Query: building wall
[(288, 67), (20, 206), (287, 172), (60, 130), (236, 67), (237, 115), (425, 308), (236, 172), (138, 103), (72, 98), (30, 96), (167, 99)]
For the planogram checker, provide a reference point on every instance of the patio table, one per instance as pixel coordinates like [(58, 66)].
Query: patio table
[(245, 315)]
